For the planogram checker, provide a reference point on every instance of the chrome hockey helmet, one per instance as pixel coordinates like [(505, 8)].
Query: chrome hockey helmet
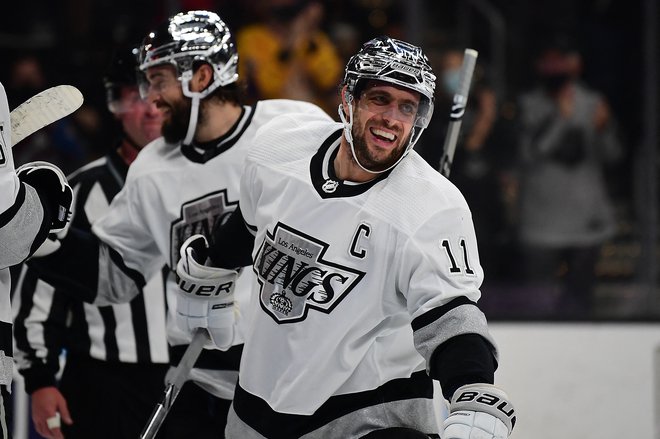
[(186, 39), (193, 36), (390, 60), (397, 62)]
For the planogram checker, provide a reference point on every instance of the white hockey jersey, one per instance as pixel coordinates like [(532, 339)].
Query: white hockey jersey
[(353, 286), (171, 193)]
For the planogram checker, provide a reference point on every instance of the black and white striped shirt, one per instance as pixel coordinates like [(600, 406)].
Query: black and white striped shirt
[(48, 320)]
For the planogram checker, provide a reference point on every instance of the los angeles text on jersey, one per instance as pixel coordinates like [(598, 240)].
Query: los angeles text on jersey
[(199, 216), (294, 277)]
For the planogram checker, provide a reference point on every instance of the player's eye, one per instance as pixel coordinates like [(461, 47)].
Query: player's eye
[(408, 109)]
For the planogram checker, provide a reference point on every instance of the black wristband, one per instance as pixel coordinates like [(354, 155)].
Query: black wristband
[(461, 360)]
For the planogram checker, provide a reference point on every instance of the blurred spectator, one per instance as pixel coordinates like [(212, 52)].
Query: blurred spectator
[(475, 171), (288, 55), (567, 137), (347, 39)]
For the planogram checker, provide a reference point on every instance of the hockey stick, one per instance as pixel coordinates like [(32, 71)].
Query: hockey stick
[(457, 110), (174, 382), (43, 109)]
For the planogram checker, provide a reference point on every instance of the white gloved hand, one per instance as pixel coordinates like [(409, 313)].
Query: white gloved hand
[(206, 294), (479, 411)]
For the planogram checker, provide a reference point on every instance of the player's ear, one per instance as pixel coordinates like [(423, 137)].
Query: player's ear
[(202, 78), (346, 98)]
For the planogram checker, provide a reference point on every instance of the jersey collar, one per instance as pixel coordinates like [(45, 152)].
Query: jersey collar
[(203, 152), (322, 172)]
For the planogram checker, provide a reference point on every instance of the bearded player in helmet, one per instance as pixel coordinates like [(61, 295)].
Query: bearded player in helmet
[(183, 183), (367, 272)]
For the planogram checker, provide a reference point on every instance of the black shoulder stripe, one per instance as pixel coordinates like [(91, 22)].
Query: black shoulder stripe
[(434, 314), (6, 343), (135, 275)]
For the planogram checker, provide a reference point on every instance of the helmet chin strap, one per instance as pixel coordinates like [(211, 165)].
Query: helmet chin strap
[(195, 97), (348, 134)]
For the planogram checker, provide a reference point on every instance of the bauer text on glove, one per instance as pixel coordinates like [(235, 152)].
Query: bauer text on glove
[(206, 294), (479, 411)]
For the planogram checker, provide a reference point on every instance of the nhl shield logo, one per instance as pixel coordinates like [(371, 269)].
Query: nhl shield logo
[(330, 186), (294, 276)]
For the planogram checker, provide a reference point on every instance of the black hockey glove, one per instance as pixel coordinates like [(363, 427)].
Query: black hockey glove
[(53, 189)]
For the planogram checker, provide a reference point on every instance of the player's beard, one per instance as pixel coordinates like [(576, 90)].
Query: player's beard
[(368, 159), (175, 127)]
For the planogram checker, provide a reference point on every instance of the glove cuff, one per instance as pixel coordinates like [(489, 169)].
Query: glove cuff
[(217, 317), (53, 189), (485, 398)]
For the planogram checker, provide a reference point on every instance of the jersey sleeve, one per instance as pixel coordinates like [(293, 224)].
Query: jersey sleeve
[(23, 225), (440, 275), (128, 254)]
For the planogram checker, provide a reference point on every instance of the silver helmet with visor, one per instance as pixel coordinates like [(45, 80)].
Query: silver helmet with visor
[(185, 40), (396, 62)]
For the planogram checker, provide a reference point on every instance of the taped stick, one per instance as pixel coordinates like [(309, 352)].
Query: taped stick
[(457, 110), (173, 384), (43, 109)]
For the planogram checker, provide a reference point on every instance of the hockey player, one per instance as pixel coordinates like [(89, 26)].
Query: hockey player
[(367, 272), (125, 344), (179, 185), (36, 200)]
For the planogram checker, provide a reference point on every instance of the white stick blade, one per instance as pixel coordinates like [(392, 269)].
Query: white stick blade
[(43, 109)]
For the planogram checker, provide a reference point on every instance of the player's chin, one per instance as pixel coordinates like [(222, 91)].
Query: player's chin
[(381, 161), (385, 151)]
